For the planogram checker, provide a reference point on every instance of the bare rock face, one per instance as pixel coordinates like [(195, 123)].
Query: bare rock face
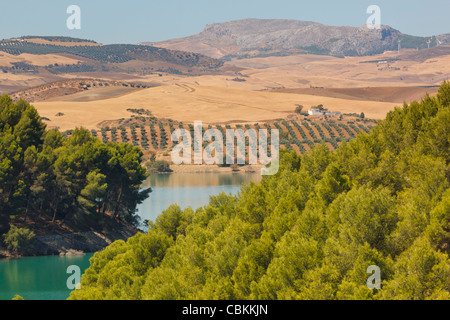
[(257, 37)]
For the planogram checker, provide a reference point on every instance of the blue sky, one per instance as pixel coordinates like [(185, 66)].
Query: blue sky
[(134, 21)]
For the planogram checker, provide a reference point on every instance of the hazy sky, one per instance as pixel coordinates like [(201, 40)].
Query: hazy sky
[(133, 21)]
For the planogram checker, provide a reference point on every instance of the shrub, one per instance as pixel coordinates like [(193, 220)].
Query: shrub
[(17, 239), (299, 109), (159, 166)]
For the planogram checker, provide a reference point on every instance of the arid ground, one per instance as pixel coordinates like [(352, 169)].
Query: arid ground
[(250, 90)]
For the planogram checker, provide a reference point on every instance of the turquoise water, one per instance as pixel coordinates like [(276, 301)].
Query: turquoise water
[(38, 278), (45, 278)]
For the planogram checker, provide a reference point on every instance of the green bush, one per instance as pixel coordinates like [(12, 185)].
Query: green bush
[(159, 166), (17, 239)]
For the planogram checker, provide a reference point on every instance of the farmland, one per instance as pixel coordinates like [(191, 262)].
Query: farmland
[(117, 53), (153, 135)]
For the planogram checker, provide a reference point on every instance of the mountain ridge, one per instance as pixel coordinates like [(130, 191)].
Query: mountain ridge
[(260, 37)]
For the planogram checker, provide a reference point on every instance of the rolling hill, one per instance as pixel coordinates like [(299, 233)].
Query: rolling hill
[(97, 57), (35, 60)]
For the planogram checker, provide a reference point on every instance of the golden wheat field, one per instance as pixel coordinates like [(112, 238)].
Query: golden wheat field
[(197, 103)]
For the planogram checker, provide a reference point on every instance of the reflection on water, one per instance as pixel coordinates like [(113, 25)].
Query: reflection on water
[(189, 190), (204, 179)]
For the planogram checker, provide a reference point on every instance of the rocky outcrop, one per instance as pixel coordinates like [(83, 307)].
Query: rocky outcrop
[(72, 244), (67, 244)]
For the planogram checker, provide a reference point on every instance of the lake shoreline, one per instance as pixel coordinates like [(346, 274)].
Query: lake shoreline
[(55, 239), (71, 244), (204, 168)]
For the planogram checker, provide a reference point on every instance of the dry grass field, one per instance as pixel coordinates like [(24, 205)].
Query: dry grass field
[(41, 60), (305, 72), (97, 94), (382, 94), (190, 103)]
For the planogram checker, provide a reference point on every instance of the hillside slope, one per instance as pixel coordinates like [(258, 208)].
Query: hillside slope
[(309, 232), (99, 57)]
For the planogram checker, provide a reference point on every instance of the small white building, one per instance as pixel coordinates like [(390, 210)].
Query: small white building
[(315, 112), (323, 112)]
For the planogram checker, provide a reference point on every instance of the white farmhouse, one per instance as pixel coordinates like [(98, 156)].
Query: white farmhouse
[(315, 112), (322, 112)]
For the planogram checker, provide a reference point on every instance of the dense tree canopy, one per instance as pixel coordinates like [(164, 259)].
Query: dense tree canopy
[(67, 179), (309, 232)]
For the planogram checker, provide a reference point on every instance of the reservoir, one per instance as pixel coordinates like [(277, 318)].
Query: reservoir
[(45, 278), (189, 190)]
